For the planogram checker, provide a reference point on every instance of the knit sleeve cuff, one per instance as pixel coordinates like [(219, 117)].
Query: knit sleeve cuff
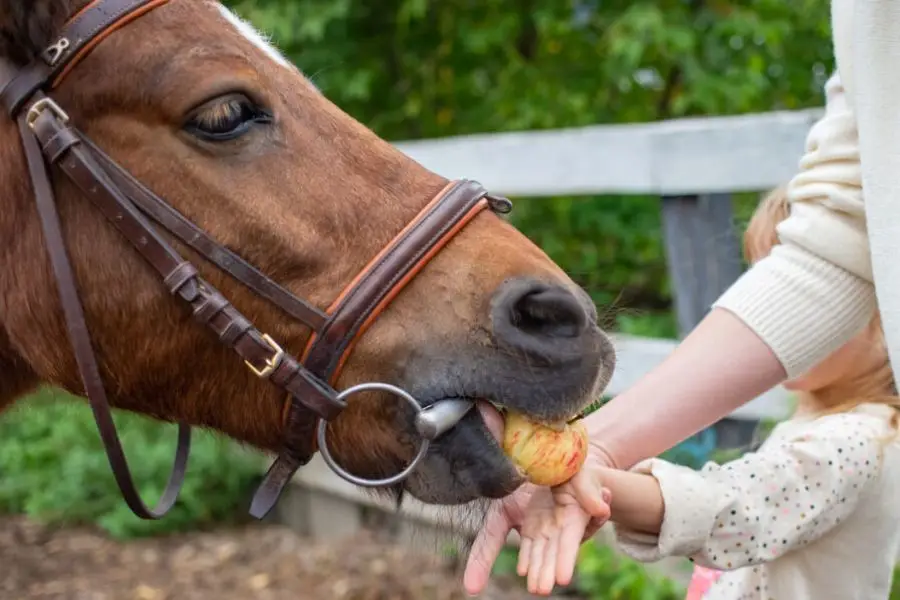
[(690, 509), (801, 306)]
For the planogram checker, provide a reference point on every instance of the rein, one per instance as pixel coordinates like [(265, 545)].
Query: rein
[(49, 140)]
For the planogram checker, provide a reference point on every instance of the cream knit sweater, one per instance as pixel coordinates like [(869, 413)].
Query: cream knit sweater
[(816, 289)]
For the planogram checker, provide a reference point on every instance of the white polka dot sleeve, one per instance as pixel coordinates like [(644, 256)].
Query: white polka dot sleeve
[(766, 503)]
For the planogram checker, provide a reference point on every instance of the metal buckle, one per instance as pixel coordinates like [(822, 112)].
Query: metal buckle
[(53, 53), (272, 362), (40, 106), (388, 481)]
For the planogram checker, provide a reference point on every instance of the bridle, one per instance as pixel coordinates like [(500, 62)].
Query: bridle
[(49, 140)]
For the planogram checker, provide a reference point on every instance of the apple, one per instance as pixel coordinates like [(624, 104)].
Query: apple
[(546, 455)]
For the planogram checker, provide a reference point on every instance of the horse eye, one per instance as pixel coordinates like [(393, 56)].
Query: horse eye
[(226, 118)]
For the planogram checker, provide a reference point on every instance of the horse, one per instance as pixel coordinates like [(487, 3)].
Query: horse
[(166, 171)]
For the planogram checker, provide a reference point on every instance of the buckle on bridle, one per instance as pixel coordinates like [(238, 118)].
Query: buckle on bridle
[(55, 51), (38, 108), (271, 363)]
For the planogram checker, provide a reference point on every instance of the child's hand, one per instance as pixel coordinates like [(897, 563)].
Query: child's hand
[(554, 526)]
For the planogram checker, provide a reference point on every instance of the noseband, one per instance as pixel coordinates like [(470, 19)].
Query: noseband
[(50, 141)]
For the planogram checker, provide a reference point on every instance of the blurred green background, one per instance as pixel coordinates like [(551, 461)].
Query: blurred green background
[(412, 69)]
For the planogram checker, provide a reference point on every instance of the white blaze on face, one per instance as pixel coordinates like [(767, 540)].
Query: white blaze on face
[(250, 33)]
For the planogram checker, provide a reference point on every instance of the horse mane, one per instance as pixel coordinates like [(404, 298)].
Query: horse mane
[(28, 26)]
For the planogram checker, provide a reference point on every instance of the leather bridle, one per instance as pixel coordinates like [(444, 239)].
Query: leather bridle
[(49, 140)]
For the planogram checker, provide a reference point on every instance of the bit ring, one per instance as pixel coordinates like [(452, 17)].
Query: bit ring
[(361, 481)]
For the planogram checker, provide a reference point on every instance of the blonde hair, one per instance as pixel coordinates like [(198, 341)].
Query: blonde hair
[(872, 386)]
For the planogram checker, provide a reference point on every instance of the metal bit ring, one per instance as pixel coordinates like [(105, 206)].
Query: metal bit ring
[(394, 479)]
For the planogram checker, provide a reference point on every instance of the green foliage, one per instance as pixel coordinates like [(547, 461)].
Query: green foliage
[(53, 468), (895, 585), (414, 68), (603, 574)]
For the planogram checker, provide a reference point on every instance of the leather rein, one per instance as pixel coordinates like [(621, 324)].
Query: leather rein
[(49, 140)]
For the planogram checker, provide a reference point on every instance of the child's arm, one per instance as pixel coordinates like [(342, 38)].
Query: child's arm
[(637, 500), (754, 509)]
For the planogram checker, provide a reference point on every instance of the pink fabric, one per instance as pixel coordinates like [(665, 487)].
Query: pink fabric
[(701, 581)]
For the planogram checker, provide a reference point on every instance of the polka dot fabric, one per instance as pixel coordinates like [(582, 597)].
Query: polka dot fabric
[(749, 514)]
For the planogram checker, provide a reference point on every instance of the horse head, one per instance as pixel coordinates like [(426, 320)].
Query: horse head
[(191, 103)]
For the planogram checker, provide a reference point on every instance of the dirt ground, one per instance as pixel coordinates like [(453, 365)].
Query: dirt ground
[(255, 562)]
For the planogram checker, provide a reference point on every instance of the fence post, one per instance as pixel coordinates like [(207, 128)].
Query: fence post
[(702, 253), (704, 258)]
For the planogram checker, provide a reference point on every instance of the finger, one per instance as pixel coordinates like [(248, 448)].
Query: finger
[(589, 494), (593, 527), (524, 557), (570, 539), (547, 575), (596, 523), (535, 562), (487, 547)]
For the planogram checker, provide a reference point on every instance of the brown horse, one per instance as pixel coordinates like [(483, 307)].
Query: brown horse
[(196, 106)]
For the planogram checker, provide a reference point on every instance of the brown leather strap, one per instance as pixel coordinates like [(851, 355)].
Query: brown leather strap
[(79, 36), (382, 277), (209, 306), (167, 217), (433, 245), (90, 26), (23, 86), (181, 278), (81, 343)]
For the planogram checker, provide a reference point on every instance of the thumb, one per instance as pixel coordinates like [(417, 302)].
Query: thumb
[(591, 495)]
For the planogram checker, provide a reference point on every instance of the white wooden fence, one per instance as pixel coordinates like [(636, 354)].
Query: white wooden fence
[(682, 156), (692, 164)]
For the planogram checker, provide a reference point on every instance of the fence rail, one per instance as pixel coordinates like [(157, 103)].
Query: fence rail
[(667, 158)]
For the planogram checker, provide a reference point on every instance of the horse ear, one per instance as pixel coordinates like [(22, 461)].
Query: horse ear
[(28, 26)]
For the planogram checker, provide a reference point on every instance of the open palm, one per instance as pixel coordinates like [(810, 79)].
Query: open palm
[(577, 509)]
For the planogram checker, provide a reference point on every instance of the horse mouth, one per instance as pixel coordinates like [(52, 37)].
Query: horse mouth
[(467, 460)]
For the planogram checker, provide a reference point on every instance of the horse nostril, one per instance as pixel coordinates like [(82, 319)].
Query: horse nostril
[(547, 322), (547, 311), (539, 318)]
